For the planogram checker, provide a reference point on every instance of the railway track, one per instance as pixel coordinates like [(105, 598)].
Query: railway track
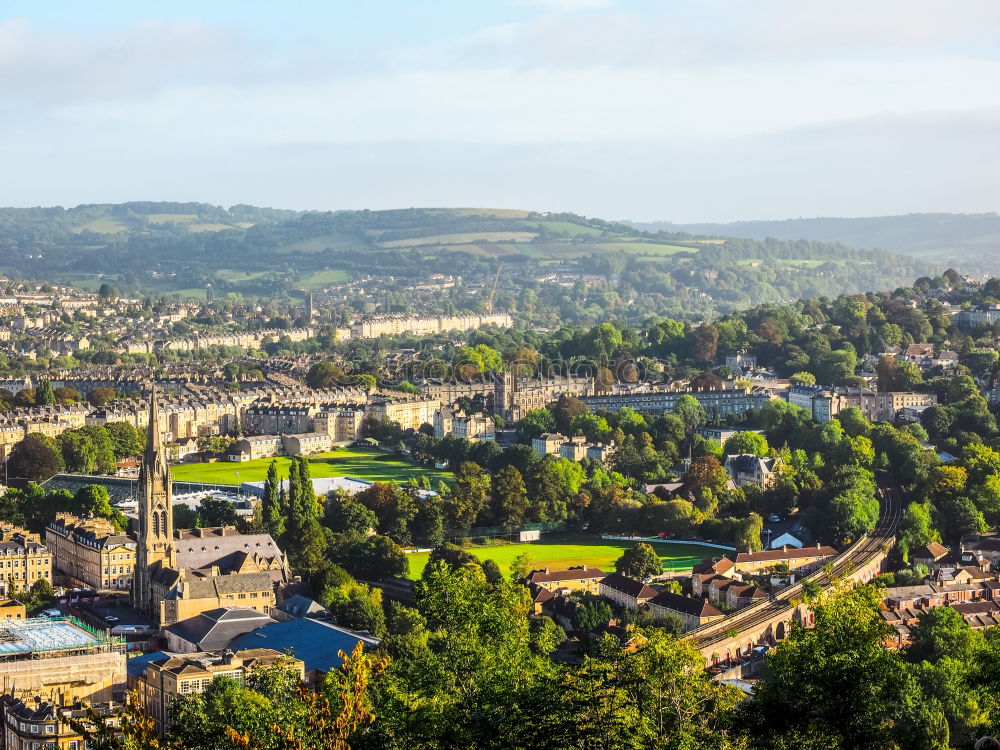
[(857, 555)]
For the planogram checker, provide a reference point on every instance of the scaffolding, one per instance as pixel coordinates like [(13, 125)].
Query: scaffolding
[(40, 636)]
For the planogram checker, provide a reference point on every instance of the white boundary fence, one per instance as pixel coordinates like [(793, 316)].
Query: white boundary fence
[(666, 541)]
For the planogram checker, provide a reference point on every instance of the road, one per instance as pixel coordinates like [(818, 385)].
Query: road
[(891, 500)]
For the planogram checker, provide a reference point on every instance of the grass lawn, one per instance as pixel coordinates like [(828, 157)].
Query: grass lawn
[(598, 553), (370, 465)]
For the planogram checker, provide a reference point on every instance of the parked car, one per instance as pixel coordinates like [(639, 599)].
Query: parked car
[(110, 618), (774, 518), (50, 613)]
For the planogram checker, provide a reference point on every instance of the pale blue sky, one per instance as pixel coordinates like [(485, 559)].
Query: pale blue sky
[(684, 111)]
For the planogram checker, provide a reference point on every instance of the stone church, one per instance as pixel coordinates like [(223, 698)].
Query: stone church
[(180, 574)]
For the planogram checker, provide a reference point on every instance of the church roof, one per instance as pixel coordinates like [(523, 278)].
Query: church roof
[(221, 546), (203, 587)]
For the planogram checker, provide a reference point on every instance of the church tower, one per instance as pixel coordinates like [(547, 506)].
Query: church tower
[(156, 525), (504, 390)]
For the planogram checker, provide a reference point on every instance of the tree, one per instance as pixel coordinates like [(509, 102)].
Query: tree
[(382, 558), (854, 421), (468, 497), (915, 530), (691, 412), (126, 440), (78, 451), (492, 572), (428, 524), (802, 378), (325, 374), (746, 442), (345, 514), (640, 561), (34, 458), (272, 507), (93, 500), (521, 566), (469, 668), (941, 632), (568, 408), (510, 497), (217, 512), (836, 685), (706, 473), (101, 396), (748, 534), (451, 555), (185, 517), (591, 614), (44, 395), (66, 395), (535, 422), (853, 512), (355, 606)]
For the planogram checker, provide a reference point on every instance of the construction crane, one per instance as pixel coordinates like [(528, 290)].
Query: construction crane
[(489, 303)]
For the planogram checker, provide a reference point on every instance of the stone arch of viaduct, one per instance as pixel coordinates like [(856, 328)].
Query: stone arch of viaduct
[(757, 631)]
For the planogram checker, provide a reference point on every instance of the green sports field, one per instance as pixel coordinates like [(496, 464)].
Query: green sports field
[(371, 465), (556, 555)]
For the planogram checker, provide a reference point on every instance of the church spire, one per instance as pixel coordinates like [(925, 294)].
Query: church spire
[(155, 548), (154, 458)]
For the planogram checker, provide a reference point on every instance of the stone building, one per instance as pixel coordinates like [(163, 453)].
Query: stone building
[(91, 552), (160, 680), (23, 559)]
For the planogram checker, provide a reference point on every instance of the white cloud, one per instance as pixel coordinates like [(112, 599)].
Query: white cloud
[(609, 107)]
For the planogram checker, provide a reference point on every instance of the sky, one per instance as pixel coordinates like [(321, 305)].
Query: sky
[(716, 110)]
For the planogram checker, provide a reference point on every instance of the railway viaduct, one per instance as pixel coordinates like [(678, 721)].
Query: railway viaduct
[(767, 623)]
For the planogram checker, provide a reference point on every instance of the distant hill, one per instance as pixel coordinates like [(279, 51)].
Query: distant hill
[(180, 248), (966, 241)]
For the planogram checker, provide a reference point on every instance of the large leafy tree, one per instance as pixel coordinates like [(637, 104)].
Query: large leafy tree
[(639, 561), (746, 442), (836, 685), (465, 666), (510, 497), (34, 458)]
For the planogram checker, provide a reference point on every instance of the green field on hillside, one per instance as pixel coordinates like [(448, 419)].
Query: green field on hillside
[(646, 248), (564, 227), (461, 238), (370, 465), (102, 226), (321, 279), (559, 555)]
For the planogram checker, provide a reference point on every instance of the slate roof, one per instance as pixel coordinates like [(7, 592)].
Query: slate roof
[(203, 548), (214, 629), (628, 586), (777, 555), (687, 605), (301, 606), (571, 574), (313, 641), (239, 583)]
